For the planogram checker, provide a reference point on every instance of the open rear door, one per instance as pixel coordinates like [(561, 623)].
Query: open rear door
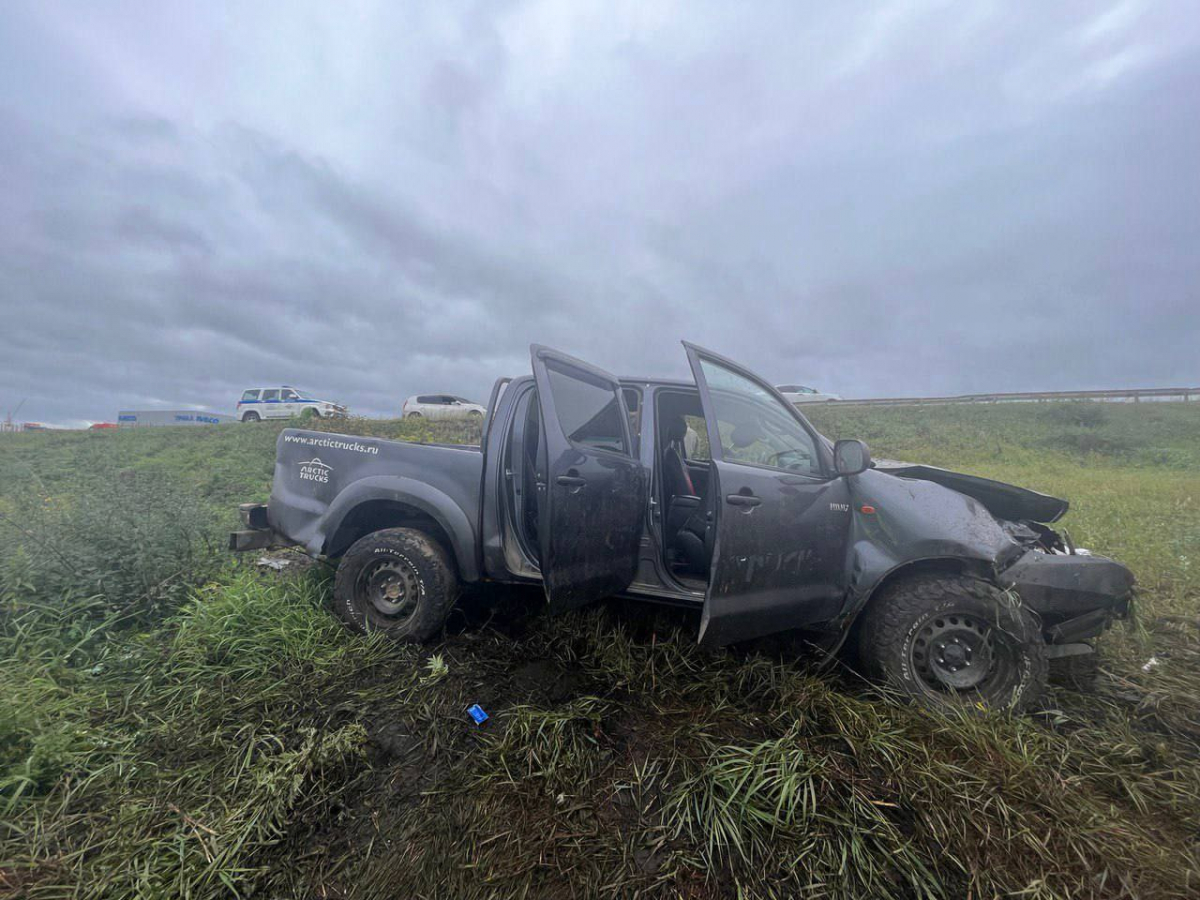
[(781, 518), (592, 491)]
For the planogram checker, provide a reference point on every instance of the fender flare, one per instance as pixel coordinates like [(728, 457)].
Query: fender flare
[(410, 492), (872, 569)]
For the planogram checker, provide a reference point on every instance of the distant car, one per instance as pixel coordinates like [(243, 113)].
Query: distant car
[(283, 402), (441, 406), (102, 426), (798, 393)]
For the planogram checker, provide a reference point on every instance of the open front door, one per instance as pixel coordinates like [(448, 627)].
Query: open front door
[(781, 519), (591, 490)]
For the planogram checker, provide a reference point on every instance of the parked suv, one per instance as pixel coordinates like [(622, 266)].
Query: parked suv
[(282, 403), (951, 587), (441, 406)]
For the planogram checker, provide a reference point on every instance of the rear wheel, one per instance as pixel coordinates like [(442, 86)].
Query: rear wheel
[(414, 415), (955, 640), (250, 417), (398, 581)]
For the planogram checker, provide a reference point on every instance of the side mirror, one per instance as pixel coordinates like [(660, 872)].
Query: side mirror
[(851, 457)]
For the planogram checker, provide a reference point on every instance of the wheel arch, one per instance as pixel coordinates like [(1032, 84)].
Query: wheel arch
[(913, 568), (376, 507), (376, 515)]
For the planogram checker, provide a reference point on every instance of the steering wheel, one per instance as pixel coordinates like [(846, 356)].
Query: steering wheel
[(793, 460)]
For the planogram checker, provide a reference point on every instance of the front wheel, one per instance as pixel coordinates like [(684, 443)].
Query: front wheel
[(397, 581), (955, 640)]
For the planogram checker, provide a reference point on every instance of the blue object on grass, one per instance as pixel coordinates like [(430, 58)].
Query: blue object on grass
[(476, 712)]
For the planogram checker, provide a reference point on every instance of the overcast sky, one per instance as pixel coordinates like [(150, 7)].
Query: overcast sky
[(371, 200)]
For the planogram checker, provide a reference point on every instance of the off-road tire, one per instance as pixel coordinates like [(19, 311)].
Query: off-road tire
[(309, 413), (251, 416), (420, 565), (894, 642), (414, 416)]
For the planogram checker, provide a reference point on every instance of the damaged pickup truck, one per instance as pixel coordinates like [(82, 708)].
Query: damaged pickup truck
[(715, 494)]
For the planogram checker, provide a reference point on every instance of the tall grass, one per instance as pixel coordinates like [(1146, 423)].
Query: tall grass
[(174, 724)]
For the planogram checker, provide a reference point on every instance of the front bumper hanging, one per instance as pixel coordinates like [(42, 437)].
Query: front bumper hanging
[(1063, 586)]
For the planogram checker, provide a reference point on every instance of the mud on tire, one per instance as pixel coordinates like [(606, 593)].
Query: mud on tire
[(955, 640), (398, 581)]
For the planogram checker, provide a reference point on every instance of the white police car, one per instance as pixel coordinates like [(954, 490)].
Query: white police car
[(283, 402)]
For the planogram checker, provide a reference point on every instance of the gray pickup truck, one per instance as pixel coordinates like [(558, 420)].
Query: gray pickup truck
[(715, 494)]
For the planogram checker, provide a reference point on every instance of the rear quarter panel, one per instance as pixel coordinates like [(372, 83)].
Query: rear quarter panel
[(321, 477)]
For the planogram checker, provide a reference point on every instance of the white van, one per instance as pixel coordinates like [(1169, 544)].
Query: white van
[(283, 402)]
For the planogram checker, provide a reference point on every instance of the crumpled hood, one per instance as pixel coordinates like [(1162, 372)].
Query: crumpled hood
[(908, 519), (897, 521), (920, 519), (1004, 501)]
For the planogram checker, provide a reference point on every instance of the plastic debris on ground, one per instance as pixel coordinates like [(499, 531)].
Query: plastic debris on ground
[(476, 712)]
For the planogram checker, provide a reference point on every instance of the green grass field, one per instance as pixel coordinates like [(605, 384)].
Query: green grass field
[(177, 723)]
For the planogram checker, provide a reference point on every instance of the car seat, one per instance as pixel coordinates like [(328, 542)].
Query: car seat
[(687, 529)]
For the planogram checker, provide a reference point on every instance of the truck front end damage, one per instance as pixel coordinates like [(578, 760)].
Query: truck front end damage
[(921, 513), (1076, 595)]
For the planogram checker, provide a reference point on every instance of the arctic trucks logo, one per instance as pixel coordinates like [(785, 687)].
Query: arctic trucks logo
[(314, 470)]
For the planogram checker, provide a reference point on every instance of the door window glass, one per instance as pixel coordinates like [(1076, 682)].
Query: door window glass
[(249, 395), (290, 395), (753, 426), (590, 410), (271, 395)]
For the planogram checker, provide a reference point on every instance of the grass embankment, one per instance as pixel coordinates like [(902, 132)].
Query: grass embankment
[(173, 724)]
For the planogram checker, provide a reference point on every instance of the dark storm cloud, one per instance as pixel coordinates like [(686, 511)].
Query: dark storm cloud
[(372, 200)]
